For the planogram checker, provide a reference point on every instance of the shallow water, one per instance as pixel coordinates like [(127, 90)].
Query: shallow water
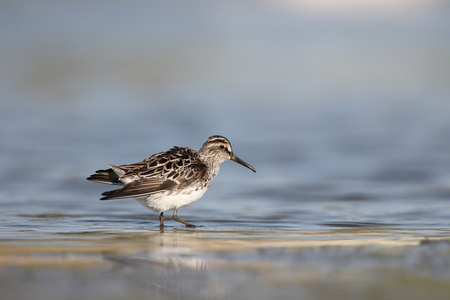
[(343, 114)]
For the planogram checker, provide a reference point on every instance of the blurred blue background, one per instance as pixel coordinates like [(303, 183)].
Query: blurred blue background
[(329, 99), (342, 107)]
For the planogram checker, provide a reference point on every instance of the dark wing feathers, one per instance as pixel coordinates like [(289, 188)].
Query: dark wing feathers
[(139, 188), (167, 170)]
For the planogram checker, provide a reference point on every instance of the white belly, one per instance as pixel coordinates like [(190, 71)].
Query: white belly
[(169, 200)]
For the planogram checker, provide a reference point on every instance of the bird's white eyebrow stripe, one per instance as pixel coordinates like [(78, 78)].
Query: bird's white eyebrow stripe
[(218, 139)]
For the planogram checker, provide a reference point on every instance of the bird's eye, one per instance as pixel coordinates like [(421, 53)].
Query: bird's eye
[(222, 147)]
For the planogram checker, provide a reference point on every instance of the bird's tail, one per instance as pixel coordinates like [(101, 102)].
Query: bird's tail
[(107, 176)]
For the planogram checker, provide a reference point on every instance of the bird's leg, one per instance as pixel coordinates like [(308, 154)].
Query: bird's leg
[(175, 217), (161, 222)]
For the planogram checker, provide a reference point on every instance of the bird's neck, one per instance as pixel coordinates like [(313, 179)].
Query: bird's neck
[(213, 165)]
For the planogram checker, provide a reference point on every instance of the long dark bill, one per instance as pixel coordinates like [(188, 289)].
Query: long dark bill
[(240, 161)]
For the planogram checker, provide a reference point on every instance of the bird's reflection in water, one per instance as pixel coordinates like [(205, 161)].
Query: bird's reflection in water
[(170, 269)]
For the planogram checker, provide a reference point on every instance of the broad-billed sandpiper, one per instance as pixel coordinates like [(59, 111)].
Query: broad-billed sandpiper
[(171, 179)]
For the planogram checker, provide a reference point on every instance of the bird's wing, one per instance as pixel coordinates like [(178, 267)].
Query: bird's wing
[(175, 168), (139, 188), (150, 185)]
